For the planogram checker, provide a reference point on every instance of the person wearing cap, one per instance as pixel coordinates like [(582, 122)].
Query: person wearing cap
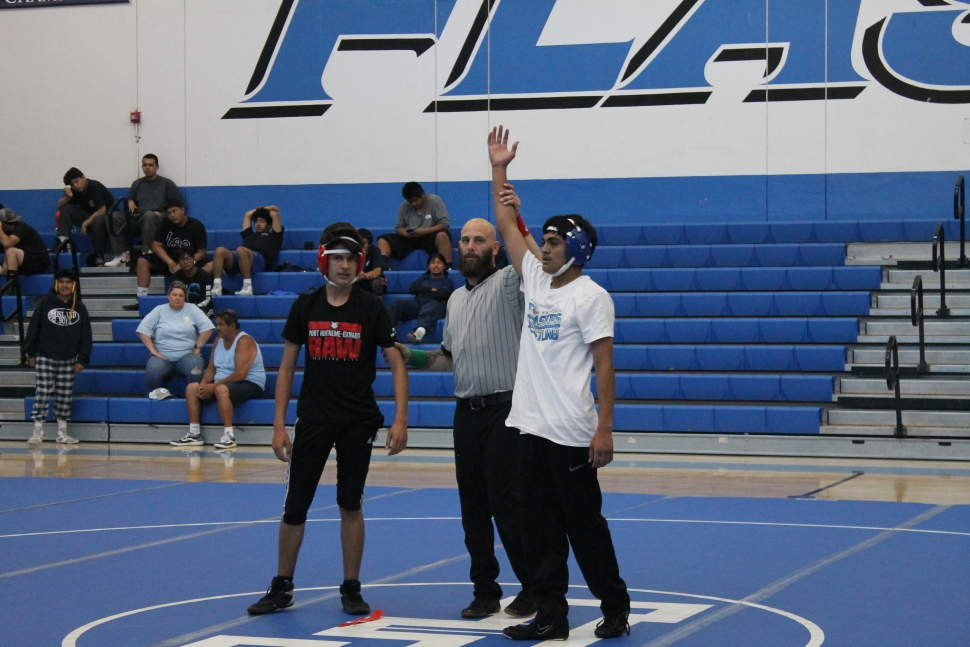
[(235, 374), (174, 334), (262, 238), (341, 327), (85, 203), (58, 346), (568, 331), (24, 251), (422, 223)]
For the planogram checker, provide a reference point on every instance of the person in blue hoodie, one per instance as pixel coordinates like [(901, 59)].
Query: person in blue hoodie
[(58, 345), (431, 291)]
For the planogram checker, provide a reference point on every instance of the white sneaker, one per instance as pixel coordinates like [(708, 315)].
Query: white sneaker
[(118, 261), (36, 438), (216, 290), (64, 439), (245, 290), (228, 441)]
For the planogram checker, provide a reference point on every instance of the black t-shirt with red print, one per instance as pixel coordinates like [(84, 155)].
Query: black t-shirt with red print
[(340, 357)]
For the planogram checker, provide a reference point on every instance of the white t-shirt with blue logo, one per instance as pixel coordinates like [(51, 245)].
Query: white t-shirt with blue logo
[(552, 397)]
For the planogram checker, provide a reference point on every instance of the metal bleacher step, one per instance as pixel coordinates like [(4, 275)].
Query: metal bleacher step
[(931, 301), (11, 408), (933, 327), (932, 387), (907, 276), (869, 422), (872, 361), (17, 377), (892, 253), (122, 284)]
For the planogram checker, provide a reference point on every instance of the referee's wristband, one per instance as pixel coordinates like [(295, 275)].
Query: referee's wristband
[(418, 359)]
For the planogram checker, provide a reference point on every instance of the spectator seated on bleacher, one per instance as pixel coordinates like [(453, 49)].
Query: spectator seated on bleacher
[(174, 334), (85, 203), (198, 281), (371, 278), (235, 374), (146, 209), (24, 251), (422, 223), (262, 235), (177, 232), (431, 291)]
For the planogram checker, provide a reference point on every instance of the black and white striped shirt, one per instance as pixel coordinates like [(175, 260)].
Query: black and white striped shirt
[(482, 330)]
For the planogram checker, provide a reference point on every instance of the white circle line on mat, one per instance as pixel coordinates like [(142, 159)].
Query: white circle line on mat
[(816, 635)]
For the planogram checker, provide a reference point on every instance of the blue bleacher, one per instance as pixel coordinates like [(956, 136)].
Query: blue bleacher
[(439, 413), (721, 328), (629, 386)]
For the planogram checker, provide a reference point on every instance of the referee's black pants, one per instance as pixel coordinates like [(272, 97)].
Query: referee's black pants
[(487, 468), (562, 504)]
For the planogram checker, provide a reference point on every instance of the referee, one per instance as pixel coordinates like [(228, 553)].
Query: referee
[(481, 346)]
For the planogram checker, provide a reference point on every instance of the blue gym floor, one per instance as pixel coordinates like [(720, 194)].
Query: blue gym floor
[(109, 563)]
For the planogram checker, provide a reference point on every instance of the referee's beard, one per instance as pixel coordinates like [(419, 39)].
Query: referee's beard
[(473, 266)]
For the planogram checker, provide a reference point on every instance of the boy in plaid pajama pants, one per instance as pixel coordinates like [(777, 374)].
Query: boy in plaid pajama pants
[(58, 345)]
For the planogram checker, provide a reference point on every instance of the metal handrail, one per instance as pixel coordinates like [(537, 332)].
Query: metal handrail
[(916, 314), (959, 213), (892, 381), (68, 243), (939, 265), (14, 284)]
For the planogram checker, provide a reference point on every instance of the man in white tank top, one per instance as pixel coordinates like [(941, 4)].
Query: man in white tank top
[(235, 374)]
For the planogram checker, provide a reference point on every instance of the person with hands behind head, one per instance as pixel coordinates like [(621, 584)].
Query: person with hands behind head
[(58, 345), (341, 327), (262, 235), (567, 332), (174, 333)]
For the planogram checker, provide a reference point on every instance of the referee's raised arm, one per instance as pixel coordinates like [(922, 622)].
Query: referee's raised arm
[(500, 156)]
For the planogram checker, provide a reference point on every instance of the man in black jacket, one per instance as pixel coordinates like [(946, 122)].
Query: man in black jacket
[(58, 345)]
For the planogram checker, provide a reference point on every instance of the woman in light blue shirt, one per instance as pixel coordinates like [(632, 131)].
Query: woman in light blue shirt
[(174, 334)]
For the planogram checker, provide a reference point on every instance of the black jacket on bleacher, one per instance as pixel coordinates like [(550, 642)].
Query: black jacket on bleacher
[(60, 330)]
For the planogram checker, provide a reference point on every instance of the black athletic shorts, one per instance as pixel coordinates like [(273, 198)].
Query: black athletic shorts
[(312, 443), (34, 264), (401, 247), (156, 264), (239, 392)]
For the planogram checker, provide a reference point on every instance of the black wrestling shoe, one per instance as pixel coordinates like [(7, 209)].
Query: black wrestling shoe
[(522, 606), (613, 626), (352, 600), (536, 631), (279, 595), (481, 607)]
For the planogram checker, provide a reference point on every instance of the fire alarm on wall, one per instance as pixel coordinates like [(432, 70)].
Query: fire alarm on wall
[(135, 117)]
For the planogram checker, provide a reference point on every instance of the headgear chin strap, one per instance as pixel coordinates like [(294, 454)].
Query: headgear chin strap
[(579, 248), (326, 250)]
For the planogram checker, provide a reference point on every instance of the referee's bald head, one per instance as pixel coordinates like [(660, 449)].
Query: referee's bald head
[(477, 248), (479, 227)]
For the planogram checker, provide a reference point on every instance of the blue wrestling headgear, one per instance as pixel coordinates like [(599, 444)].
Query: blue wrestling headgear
[(579, 248)]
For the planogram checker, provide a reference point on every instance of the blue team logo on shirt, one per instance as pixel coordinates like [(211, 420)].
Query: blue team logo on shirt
[(544, 326)]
